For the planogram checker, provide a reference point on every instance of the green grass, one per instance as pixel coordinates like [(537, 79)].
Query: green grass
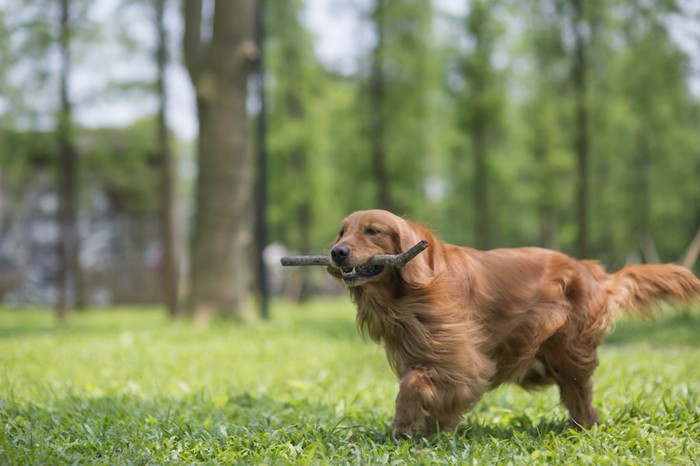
[(127, 386)]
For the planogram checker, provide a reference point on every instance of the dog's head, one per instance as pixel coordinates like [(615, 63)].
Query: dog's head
[(364, 234)]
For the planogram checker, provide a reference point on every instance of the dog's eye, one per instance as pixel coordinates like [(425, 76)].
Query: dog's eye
[(341, 232), (371, 231)]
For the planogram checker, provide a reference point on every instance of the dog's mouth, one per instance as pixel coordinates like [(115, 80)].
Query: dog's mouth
[(354, 275)]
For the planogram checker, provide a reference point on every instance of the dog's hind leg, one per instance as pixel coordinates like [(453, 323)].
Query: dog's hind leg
[(573, 374), (577, 396)]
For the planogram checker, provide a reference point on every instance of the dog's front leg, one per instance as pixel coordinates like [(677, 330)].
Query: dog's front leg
[(417, 392)]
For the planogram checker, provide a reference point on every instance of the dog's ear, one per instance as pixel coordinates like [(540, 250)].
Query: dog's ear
[(418, 271)]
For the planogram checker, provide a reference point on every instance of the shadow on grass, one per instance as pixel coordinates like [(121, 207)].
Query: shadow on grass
[(129, 428), (517, 428), (468, 431)]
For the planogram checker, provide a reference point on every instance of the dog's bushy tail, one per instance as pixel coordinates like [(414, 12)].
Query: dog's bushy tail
[(639, 289)]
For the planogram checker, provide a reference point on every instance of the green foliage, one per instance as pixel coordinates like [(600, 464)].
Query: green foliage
[(28, 75), (657, 129), (298, 165), (123, 163), (480, 119), (399, 74), (503, 69), (26, 84), (127, 386), (501, 66), (25, 151)]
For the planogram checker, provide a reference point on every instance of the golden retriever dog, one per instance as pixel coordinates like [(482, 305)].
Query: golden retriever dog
[(456, 322)]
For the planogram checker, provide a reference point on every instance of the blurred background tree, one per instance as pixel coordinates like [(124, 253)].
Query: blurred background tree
[(219, 67), (481, 106), (296, 87), (562, 123), (394, 101), (168, 224)]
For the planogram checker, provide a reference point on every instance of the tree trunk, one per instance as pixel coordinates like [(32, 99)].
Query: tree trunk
[(581, 142), (481, 120), (261, 180), (219, 71), (70, 284), (169, 265), (377, 103), (482, 214), (546, 197), (643, 199)]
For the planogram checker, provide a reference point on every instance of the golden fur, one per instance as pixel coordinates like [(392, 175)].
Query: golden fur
[(456, 322)]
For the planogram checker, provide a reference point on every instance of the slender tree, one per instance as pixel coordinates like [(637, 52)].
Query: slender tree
[(579, 76), (69, 273), (377, 119), (219, 68), (480, 114), (543, 113), (294, 150), (657, 120), (262, 172), (169, 266), (397, 112)]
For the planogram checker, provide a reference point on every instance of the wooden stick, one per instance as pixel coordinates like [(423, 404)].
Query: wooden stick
[(305, 260), (395, 260)]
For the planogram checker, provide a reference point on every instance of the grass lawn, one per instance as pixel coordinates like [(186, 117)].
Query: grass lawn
[(128, 386)]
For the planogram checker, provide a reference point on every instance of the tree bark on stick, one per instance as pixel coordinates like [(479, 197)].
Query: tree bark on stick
[(394, 260)]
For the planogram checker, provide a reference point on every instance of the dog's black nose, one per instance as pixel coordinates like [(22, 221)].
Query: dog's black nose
[(340, 254)]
